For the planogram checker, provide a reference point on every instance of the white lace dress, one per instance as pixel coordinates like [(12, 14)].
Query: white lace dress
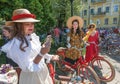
[(31, 73)]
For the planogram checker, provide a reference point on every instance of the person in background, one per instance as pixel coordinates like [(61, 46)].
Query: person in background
[(7, 35), (57, 35), (26, 50), (7, 32), (92, 40), (74, 38)]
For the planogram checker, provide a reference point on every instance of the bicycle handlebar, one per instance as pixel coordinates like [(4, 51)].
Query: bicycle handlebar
[(68, 67)]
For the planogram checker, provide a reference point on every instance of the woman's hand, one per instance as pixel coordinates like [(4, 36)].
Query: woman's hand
[(46, 46), (45, 49), (87, 44), (55, 58)]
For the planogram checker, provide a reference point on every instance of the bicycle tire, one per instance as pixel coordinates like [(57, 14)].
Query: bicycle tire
[(107, 65), (88, 75)]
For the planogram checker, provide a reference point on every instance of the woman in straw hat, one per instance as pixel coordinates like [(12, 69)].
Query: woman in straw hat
[(92, 38), (25, 49), (74, 38)]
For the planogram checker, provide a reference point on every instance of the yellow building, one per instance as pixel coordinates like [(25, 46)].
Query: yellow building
[(104, 13)]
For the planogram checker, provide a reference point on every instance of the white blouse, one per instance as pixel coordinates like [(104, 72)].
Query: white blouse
[(25, 59)]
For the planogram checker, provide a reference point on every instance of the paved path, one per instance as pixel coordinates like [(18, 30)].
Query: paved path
[(115, 60)]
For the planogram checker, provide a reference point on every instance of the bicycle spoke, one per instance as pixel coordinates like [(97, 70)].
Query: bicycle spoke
[(104, 69)]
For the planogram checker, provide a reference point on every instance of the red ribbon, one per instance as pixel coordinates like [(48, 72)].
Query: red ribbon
[(20, 16)]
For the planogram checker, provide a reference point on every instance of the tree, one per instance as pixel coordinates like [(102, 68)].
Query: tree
[(49, 12)]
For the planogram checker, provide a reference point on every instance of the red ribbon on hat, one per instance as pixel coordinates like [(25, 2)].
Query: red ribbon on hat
[(20, 16)]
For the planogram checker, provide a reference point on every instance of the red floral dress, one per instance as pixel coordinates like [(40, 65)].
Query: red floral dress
[(92, 49)]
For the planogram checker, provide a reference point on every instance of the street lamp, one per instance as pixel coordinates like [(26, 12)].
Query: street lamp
[(71, 7)]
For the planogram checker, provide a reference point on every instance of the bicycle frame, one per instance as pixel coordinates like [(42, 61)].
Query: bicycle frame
[(80, 66), (53, 75), (80, 60)]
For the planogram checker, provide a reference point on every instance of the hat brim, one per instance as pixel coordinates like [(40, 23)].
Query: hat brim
[(94, 25), (71, 19), (11, 23)]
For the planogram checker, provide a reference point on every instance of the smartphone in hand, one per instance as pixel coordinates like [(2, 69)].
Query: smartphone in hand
[(48, 41)]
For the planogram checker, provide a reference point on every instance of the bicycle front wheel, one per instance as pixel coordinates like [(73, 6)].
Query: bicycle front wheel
[(88, 75), (104, 69)]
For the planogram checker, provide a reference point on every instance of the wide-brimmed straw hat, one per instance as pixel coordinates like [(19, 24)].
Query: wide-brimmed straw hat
[(93, 25), (71, 19), (22, 15)]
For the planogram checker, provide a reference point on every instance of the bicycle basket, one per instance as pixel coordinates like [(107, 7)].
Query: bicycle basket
[(8, 75)]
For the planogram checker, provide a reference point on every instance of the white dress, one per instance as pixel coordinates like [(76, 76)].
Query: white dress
[(31, 73)]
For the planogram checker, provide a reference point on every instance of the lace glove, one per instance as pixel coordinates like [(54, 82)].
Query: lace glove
[(68, 46)]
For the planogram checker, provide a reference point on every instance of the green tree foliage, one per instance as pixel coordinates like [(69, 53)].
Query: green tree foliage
[(40, 8), (49, 12), (62, 9)]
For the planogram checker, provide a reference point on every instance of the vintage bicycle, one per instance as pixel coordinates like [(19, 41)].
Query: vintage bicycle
[(102, 67), (86, 72), (72, 79)]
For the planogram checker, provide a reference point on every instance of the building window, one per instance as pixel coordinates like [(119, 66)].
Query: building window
[(99, 10), (92, 0), (92, 12), (85, 22), (106, 21), (98, 21), (85, 12), (85, 0), (114, 20), (107, 9), (115, 8), (112, 0), (91, 21)]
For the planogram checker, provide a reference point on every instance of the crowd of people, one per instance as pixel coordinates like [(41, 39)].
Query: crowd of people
[(23, 48)]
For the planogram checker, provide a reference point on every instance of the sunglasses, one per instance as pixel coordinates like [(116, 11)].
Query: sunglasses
[(91, 26)]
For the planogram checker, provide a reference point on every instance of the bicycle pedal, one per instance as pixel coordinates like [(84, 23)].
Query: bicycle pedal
[(76, 78)]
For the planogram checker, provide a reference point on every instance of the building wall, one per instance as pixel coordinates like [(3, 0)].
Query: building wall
[(99, 18)]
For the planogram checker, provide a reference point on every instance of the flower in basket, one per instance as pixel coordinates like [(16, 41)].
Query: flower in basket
[(5, 68)]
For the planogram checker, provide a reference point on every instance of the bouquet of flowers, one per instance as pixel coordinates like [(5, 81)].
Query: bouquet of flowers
[(8, 75)]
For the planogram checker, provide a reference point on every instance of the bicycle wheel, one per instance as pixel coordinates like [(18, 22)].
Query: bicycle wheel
[(88, 75), (104, 69)]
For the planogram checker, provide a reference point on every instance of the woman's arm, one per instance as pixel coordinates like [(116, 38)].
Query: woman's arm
[(45, 49), (68, 42)]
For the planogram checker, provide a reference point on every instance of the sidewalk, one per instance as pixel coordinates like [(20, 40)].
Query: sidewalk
[(115, 61)]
